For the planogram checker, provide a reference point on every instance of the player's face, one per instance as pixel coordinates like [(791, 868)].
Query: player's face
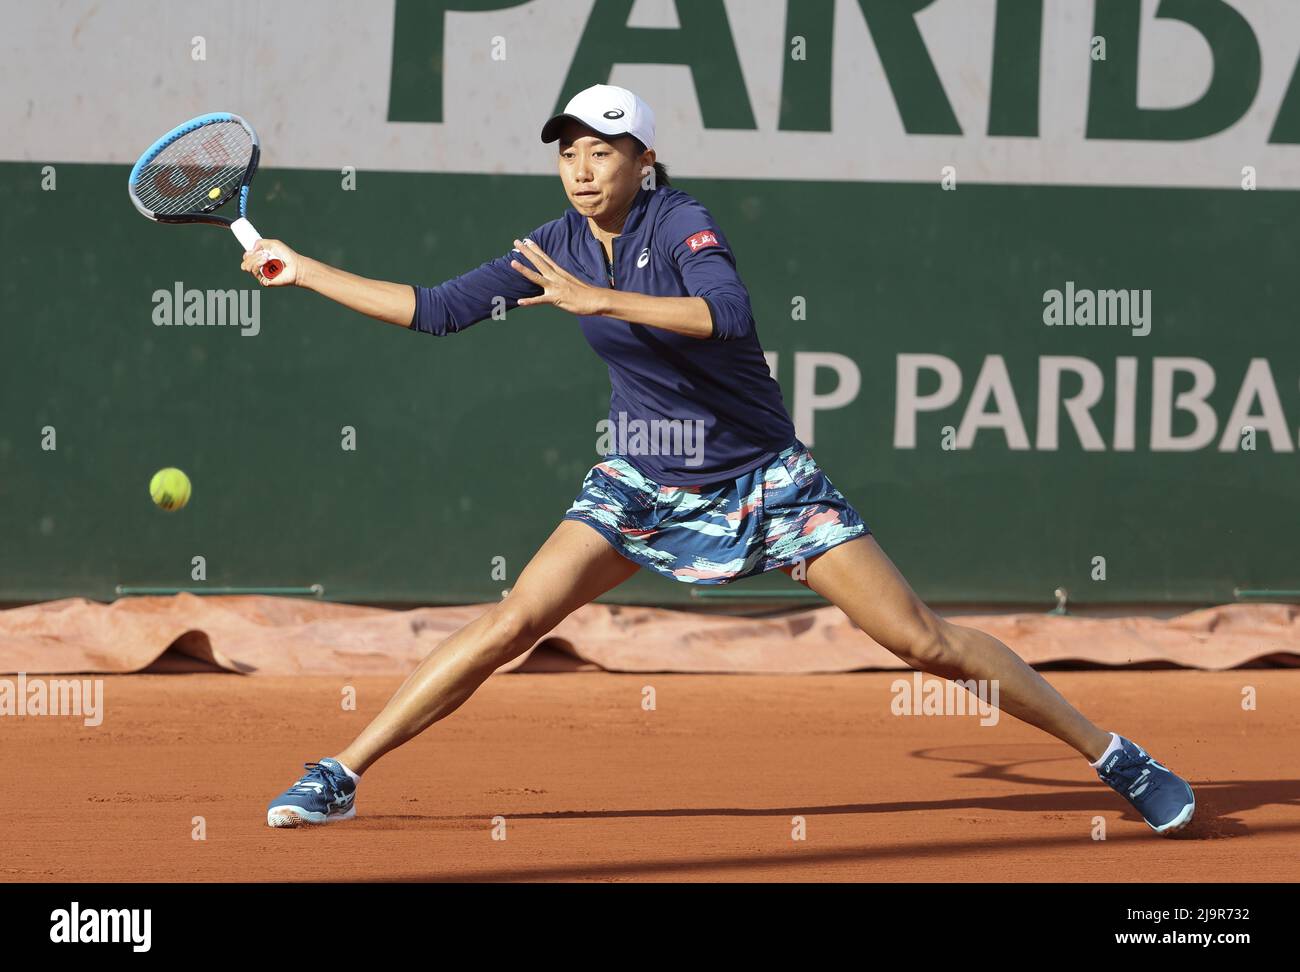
[(600, 177)]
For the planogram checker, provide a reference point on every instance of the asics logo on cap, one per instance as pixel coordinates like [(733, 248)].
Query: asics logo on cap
[(615, 113)]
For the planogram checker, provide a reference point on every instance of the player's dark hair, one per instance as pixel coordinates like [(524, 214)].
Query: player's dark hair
[(661, 170)]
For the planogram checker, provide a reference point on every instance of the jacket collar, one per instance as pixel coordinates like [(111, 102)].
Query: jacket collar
[(636, 215)]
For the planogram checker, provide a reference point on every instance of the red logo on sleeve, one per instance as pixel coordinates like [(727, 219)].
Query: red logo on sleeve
[(702, 239)]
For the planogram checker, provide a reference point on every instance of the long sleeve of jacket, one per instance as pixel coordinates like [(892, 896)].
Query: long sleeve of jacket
[(471, 297), (708, 268)]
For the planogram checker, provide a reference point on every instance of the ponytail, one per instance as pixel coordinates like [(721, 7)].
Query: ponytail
[(661, 170)]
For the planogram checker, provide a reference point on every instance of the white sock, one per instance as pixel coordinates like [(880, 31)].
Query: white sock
[(354, 776), (1114, 745)]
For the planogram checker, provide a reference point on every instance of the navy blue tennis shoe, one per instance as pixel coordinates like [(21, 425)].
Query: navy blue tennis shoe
[(325, 793), (1162, 797)]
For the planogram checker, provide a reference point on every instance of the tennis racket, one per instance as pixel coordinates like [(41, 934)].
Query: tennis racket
[(194, 170)]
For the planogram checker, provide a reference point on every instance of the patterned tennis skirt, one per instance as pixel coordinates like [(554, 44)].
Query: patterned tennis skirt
[(773, 516)]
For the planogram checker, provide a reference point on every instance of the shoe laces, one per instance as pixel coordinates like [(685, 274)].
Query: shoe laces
[(317, 774), (1135, 770)]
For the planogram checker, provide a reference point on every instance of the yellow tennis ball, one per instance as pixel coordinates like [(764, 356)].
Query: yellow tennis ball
[(170, 488), (214, 192)]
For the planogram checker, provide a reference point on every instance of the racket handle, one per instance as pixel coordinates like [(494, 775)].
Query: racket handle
[(248, 237)]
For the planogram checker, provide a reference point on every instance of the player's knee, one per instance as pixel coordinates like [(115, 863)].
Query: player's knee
[(514, 628), (929, 645)]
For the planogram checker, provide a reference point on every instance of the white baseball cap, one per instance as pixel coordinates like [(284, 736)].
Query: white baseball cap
[(607, 109)]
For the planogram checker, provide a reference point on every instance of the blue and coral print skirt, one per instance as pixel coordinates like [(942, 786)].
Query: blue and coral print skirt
[(770, 517)]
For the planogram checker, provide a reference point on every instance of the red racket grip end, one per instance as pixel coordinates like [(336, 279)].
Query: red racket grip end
[(271, 268)]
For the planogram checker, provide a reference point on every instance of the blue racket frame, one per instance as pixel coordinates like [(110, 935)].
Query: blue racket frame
[(206, 214)]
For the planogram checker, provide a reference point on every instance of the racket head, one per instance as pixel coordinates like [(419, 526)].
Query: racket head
[(195, 169)]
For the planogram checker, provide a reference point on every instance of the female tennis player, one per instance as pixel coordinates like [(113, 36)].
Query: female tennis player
[(707, 483)]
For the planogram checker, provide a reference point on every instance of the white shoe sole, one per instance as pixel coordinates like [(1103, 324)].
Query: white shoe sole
[(1179, 822), (298, 817)]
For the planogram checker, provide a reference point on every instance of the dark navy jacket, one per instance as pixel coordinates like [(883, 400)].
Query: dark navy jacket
[(669, 247)]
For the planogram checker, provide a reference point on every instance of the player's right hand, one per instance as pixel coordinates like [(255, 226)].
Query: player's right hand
[(262, 251)]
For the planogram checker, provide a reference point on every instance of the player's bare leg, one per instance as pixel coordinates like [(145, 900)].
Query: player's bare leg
[(573, 567), (859, 579)]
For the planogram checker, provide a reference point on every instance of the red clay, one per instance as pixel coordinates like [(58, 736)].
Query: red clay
[(704, 788)]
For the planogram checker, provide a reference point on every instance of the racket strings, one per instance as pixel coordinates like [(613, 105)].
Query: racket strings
[(182, 177)]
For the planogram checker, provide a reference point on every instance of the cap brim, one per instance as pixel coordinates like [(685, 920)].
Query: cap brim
[(551, 130)]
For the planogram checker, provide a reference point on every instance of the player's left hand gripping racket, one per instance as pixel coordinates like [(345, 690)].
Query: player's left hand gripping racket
[(197, 168)]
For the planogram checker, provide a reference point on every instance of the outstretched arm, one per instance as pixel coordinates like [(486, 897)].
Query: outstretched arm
[(390, 302), (450, 307)]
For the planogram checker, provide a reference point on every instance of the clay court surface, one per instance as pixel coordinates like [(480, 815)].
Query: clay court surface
[(704, 788)]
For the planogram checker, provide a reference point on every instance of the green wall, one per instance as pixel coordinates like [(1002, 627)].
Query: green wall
[(471, 446)]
